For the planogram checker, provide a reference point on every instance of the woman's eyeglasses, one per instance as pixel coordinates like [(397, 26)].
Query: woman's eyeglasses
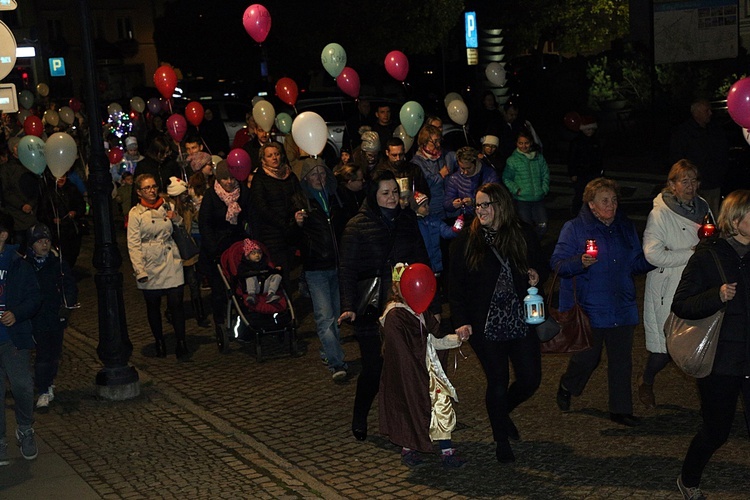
[(153, 187), (485, 205)]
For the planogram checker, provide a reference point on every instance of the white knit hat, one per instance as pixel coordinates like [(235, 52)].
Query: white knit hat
[(176, 186), (491, 140)]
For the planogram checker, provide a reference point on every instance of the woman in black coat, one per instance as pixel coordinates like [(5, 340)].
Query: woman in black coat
[(220, 226), (374, 240), (700, 294), (486, 295)]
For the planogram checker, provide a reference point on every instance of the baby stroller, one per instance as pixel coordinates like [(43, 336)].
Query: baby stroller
[(247, 321)]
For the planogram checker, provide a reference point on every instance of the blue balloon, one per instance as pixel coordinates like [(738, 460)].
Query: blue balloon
[(31, 153)]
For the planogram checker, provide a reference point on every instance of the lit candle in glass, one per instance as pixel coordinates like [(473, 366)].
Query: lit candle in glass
[(707, 228), (591, 248)]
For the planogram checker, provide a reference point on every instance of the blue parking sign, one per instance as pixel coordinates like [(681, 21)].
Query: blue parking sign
[(56, 66), (472, 37)]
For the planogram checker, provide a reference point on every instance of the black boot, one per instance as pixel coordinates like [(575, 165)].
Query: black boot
[(200, 314), (181, 350), (161, 348)]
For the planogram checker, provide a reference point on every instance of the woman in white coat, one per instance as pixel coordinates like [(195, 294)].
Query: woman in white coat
[(157, 265), (668, 242)]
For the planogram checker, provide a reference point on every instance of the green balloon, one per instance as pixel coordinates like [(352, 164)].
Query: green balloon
[(26, 99), (31, 153), (284, 122), (412, 116), (333, 58)]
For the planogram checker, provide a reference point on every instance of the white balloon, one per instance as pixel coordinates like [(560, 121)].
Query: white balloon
[(310, 132), (60, 151), (408, 140), (51, 117), (137, 104), (452, 96), (114, 108), (458, 112), (495, 74), (264, 115), (67, 115)]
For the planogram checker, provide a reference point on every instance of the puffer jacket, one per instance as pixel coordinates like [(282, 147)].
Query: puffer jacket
[(457, 185), (668, 243), (697, 297), (527, 179), (436, 183), (57, 288), (605, 290), (272, 210), (370, 248)]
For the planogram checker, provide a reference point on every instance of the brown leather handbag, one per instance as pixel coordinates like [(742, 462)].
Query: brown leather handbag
[(575, 328)]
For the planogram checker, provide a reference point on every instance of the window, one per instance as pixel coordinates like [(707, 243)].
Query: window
[(124, 28)]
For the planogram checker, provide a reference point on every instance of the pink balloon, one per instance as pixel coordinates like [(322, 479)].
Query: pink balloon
[(177, 127), (348, 81), (239, 164), (397, 65), (738, 102), (257, 22)]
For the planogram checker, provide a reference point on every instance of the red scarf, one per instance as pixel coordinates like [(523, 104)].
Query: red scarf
[(153, 206)]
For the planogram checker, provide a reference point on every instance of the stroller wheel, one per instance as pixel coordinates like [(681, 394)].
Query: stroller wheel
[(222, 338)]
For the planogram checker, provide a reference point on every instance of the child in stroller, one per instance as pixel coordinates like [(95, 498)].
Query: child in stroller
[(258, 273)]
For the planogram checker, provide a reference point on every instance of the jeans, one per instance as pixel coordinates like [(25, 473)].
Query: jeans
[(534, 213), (619, 342), (719, 395), (16, 365), (175, 304), (494, 356), (324, 292), (49, 346)]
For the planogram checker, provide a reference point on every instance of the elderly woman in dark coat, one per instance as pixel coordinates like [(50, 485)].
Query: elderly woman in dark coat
[(700, 294), (374, 240), (271, 196)]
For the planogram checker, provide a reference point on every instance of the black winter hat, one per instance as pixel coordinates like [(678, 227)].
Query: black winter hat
[(38, 232)]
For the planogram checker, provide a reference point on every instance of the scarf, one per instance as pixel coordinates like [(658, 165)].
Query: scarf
[(230, 200), (489, 235), (153, 206), (530, 155), (694, 210), (430, 155), (280, 173)]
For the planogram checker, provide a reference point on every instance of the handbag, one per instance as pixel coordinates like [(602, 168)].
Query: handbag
[(692, 343), (574, 333), (185, 243), (368, 298)]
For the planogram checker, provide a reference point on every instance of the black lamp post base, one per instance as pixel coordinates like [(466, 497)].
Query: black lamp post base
[(118, 384)]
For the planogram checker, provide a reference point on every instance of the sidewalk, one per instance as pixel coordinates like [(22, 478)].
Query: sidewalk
[(224, 426)]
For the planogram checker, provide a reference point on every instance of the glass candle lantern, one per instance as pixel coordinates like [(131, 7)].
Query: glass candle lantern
[(707, 228), (533, 307), (591, 248)]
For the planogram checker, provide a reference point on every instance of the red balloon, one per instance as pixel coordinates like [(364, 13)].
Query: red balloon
[(194, 113), (572, 121), (397, 65), (165, 80), (239, 164), (287, 91), (418, 287), (348, 81), (115, 155), (33, 126), (177, 127), (738, 102), (75, 105), (257, 22)]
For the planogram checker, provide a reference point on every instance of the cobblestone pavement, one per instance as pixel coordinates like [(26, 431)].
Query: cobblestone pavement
[(224, 426)]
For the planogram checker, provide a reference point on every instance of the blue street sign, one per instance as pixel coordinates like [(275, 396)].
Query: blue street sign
[(56, 66), (472, 37)]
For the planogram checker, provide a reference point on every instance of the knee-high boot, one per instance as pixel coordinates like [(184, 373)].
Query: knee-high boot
[(200, 314)]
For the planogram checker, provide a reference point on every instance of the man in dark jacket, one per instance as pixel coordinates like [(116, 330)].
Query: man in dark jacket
[(19, 302), (408, 175), (318, 212)]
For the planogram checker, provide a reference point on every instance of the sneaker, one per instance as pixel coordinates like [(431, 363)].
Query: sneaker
[(324, 361), (27, 444), (339, 375), (452, 460), (689, 493), (272, 298), (411, 458), (42, 404), (4, 452), (563, 398), (51, 392)]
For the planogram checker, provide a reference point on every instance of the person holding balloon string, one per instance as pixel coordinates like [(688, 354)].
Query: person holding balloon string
[(492, 263), (20, 184), (415, 397)]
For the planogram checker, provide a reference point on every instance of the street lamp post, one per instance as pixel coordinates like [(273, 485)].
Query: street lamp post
[(117, 380)]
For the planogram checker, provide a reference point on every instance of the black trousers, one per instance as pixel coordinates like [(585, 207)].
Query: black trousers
[(494, 357), (719, 395), (368, 382), (175, 303), (619, 341)]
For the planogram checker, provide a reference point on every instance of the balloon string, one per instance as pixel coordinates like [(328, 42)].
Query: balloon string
[(466, 136)]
